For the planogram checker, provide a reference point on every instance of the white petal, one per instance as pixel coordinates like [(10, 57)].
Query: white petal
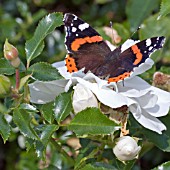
[(149, 121), (106, 95), (64, 73), (83, 98), (135, 109), (130, 92), (58, 64), (148, 100), (160, 109), (137, 83), (163, 96), (44, 92), (140, 84)]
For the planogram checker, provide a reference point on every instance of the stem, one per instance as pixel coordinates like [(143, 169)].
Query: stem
[(28, 64), (124, 123), (17, 76)]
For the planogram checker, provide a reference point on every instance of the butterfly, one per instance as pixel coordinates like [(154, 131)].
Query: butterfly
[(87, 49)]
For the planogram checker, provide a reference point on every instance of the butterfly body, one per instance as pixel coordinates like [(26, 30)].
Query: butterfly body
[(87, 49)]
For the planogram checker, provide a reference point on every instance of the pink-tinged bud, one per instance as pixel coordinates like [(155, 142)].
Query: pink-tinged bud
[(10, 52), (15, 62), (5, 86)]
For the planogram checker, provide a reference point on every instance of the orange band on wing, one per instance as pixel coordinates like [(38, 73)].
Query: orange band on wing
[(80, 41), (70, 64), (138, 54), (120, 77)]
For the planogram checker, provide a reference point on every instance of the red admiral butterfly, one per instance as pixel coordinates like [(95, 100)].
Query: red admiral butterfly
[(87, 49)]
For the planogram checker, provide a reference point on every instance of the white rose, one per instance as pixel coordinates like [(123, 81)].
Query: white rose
[(83, 98), (126, 148)]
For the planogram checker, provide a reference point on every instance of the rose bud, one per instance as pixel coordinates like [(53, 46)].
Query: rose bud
[(83, 98), (126, 148), (11, 54)]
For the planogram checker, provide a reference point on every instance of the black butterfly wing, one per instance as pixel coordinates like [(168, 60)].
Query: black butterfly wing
[(133, 57), (86, 48)]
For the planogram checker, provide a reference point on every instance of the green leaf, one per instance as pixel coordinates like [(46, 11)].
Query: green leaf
[(164, 166), (44, 72), (23, 81), (138, 10), (62, 106), (29, 143), (38, 15), (28, 107), (91, 167), (92, 121), (165, 69), (161, 141), (22, 119), (35, 45), (45, 136), (47, 110), (5, 86), (5, 128), (5, 67), (165, 8), (160, 28)]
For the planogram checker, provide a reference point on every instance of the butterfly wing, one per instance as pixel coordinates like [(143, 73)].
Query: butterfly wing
[(86, 48), (134, 57)]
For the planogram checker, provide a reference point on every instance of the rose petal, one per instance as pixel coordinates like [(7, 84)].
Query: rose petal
[(163, 96), (59, 64), (83, 98), (160, 109), (147, 101), (64, 73), (44, 92), (106, 95), (148, 121), (130, 92)]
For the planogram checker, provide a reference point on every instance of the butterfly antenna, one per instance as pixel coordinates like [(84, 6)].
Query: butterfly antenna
[(123, 82), (135, 32), (113, 40)]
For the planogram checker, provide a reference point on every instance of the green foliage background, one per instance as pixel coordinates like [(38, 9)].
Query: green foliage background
[(18, 22)]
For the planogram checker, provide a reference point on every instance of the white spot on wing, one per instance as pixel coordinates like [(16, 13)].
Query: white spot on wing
[(83, 26), (150, 48), (74, 29), (148, 42), (76, 35), (75, 18)]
